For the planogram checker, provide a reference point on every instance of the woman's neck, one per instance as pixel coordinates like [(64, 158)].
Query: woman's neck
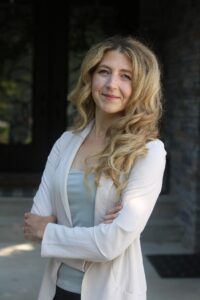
[(102, 123)]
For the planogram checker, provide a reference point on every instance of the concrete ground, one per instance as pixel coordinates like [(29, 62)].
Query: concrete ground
[(21, 266), (21, 271), (164, 288)]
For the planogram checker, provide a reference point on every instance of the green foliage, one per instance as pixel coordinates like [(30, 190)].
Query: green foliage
[(15, 75)]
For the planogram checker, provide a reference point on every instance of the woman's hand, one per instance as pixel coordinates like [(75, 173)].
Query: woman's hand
[(112, 214), (34, 225)]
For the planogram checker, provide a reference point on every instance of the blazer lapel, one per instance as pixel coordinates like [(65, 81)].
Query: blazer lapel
[(106, 196), (71, 149)]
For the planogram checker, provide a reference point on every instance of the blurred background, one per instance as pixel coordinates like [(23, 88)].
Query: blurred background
[(41, 48)]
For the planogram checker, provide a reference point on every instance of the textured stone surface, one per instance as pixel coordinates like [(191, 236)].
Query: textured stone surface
[(175, 33), (181, 53)]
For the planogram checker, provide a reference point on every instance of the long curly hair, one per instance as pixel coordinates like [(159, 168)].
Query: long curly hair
[(139, 122)]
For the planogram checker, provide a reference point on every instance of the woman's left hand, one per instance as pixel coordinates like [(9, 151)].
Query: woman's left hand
[(112, 214), (34, 225)]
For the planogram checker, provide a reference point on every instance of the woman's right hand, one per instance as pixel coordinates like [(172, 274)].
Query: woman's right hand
[(34, 225), (112, 214)]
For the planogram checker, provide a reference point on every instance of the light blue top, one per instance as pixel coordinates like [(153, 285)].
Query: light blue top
[(81, 197)]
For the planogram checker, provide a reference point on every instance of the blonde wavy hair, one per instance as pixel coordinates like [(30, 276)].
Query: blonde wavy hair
[(139, 121)]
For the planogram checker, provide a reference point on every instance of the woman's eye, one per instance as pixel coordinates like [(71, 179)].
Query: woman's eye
[(125, 76), (103, 71)]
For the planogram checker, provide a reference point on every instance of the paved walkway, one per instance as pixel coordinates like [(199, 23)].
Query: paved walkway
[(168, 289), (21, 271), (21, 267)]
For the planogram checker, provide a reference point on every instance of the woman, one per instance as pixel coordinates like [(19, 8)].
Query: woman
[(102, 180)]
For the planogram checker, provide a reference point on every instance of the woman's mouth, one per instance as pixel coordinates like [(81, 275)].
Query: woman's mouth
[(111, 97)]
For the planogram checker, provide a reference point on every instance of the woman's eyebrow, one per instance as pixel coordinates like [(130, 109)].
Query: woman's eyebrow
[(126, 70), (121, 70), (104, 66)]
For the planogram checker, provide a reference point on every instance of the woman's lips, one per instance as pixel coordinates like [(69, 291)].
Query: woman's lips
[(111, 97)]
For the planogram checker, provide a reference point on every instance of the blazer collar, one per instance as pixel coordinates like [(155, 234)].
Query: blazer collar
[(105, 184)]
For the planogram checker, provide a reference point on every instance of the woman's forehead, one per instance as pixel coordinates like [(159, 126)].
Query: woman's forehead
[(116, 58)]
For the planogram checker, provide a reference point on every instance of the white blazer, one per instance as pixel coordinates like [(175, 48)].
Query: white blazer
[(109, 254)]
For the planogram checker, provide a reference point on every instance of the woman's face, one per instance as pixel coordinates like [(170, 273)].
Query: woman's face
[(112, 82)]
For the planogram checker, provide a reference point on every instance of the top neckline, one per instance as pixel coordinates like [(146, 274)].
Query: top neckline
[(77, 170)]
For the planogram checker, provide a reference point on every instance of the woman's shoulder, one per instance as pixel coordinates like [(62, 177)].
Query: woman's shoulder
[(67, 134), (155, 150), (153, 160), (62, 140), (156, 146), (65, 138)]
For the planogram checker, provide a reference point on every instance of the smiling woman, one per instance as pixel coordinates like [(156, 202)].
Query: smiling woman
[(102, 180), (112, 82)]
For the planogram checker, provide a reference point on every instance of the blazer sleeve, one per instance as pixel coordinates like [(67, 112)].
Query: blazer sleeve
[(105, 242), (43, 200)]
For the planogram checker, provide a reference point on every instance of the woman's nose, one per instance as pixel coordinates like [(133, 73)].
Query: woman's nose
[(112, 81)]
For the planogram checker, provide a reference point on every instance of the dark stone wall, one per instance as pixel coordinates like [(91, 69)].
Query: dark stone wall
[(181, 57), (175, 30)]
